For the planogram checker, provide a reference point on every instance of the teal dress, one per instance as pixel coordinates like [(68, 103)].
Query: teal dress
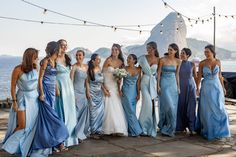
[(129, 101), (65, 103), (82, 128), (212, 120), (147, 117), (168, 100), (27, 99)]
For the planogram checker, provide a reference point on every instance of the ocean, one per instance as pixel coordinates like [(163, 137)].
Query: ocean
[(7, 64)]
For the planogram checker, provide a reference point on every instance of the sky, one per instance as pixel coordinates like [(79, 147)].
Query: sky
[(16, 36)]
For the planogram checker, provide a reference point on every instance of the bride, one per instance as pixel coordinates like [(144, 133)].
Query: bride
[(114, 117)]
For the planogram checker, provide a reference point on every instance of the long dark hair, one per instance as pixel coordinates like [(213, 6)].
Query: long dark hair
[(211, 48), (120, 56), (187, 51), (153, 45), (29, 56), (91, 66), (51, 49), (67, 58), (176, 48)]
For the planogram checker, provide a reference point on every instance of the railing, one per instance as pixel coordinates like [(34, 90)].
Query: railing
[(5, 103)]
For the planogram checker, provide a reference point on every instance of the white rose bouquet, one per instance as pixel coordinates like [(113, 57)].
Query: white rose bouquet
[(120, 73)]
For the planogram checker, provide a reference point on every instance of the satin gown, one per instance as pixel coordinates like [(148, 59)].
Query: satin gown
[(96, 104), (129, 101), (186, 112), (65, 103), (20, 142), (51, 131), (212, 121), (147, 117), (114, 116), (168, 100), (82, 128)]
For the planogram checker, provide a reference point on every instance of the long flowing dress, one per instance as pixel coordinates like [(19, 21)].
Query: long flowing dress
[(65, 103), (27, 98), (129, 101), (51, 131), (147, 117), (212, 121), (186, 112), (96, 104), (168, 100), (114, 116), (82, 107)]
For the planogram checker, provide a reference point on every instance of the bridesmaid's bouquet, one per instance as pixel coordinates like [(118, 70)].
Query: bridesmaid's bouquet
[(120, 73)]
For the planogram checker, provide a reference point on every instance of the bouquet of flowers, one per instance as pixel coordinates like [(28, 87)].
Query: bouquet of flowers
[(120, 73)]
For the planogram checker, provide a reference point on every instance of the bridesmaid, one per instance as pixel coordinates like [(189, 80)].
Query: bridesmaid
[(24, 112), (149, 64), (94, 93), (65, 102), (131, 94), (212, 121), (51, 131), (78, 76), (186, 112), (168, 89)]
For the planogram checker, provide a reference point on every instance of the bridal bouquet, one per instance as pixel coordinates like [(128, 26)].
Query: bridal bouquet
[(120, 73)]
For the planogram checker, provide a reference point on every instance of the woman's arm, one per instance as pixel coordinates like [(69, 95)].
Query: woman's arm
[(72, 72), (40, 81), (199, 76), (221, 77), (14, 77), (159, 75), (87, 88), (194, 73), (177, 75), (139, 83)]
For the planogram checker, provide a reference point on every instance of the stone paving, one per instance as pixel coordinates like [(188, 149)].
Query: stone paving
[(182, 145)]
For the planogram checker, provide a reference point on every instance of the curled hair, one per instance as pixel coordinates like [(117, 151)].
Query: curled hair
[(134, 58), (51, 49), (212, 49), (120, 56), (176, 48), (91, 66), (153, 45), (187, 51), (29, 56), (67, 58)]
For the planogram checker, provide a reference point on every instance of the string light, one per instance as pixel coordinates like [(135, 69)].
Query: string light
[(45, 11), (161, 32)]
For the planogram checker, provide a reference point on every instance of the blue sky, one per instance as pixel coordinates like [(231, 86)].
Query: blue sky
[(16, 36)]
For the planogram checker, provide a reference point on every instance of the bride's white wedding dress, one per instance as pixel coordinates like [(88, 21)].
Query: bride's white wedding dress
[(114, 116)]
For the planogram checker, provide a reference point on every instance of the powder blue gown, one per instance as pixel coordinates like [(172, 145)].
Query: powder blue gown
[(147, 117), (129, 101), (27, 96), (96, 104), (212, 121), (65, 103), (168, 100), (186, 112), (82, 128), (51, 131)]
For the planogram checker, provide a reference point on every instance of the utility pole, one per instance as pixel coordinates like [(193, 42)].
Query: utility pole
[(214, 33)]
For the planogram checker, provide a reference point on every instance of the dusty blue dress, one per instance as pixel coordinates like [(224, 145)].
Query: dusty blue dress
[(65, 103), (186, 112), (212, 121), (82, 108), (168, 100), (96, 104), (147, 117), (27, 98), (51, 131), (129, 101)]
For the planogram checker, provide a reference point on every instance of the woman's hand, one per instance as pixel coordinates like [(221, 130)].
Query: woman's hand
[(120, 93), (224, 90), (15, 106), (88, 95), (158, 90), (138, 97), (198, 92), (178, 90), (107, 93), (57, 92), (42, 97)]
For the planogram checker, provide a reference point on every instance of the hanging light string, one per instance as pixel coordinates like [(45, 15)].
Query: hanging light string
[(226, 16)]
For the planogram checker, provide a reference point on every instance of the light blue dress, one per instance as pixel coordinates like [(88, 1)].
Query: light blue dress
[(27, 97), (96, 104), (147, 117), (82, 128), (65, 103), (51, 131), (129, 101), (212, 120), (168, 100)]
